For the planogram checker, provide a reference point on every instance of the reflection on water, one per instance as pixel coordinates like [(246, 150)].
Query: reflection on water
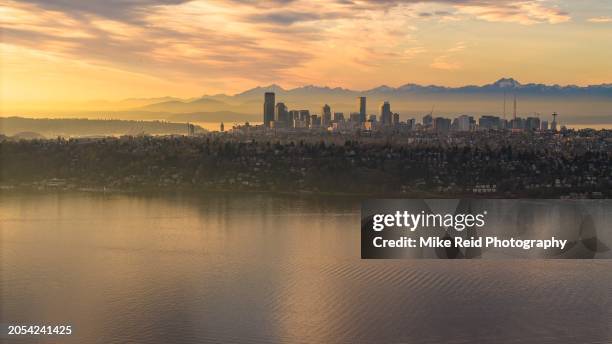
[(269, 269)]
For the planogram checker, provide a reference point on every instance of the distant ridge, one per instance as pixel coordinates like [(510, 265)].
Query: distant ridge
[(592, 103), (503, 84), (576, 104)]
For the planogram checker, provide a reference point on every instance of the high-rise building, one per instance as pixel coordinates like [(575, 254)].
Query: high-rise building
[(268, 111), (338, 117), (463, 123), (428, 121), (386, 114), (294, 118), (326, 116), (304, 115), (490, 122), (441, 124), (532, 123), (396, 119), (281, 116), (222, 127), (517, 123), (361, 101), (411, 122), (315, 121), (544, 125), (294, 114)]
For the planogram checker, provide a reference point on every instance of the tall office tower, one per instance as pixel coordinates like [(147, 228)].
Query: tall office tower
[(441, 125), (294, 114), (281, 116), (315, 121), (518, 123), (396, 119), (293, 118), (428, 121), (304, 115), (411, 122), (544, 125), (385, 114), (338, 117), (463, 123), (326, 116), (490, 122), (268, 112), (532, 123), (515, 106), (361, 101)]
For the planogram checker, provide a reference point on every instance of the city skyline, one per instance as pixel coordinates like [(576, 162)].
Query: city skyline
[(60, 52), (279, 116)]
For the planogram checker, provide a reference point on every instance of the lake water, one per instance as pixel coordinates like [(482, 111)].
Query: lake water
[(259, 269)]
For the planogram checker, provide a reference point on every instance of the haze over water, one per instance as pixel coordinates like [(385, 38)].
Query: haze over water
[(230, 268)]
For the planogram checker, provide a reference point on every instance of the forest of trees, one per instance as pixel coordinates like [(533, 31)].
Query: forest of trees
[(209, 163)]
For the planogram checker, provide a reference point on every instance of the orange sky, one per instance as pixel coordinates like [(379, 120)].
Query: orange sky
[(61, 51)]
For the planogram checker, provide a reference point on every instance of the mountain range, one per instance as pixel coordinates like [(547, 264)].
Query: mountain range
[(575, 104)]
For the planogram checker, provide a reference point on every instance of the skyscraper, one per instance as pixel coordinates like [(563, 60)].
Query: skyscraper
[(532, 123), (463, 123), (490, 122), (268, 112), (361, 101), (326, 116), (280, 116), (428, 121), (338, 117), (386, 114), (305, 117), (441, 125)]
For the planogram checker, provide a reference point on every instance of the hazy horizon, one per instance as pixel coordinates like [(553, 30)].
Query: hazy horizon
[(576, 105), (57, 53)]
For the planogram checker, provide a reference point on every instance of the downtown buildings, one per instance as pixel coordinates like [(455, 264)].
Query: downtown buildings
[(278, 116)]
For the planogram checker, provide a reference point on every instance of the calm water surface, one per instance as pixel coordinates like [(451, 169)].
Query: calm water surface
[(251, 269)]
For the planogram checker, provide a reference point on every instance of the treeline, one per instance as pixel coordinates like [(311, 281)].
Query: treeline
[(201, 163)]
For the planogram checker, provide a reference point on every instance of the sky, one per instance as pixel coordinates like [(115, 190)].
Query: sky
[(60, 51)]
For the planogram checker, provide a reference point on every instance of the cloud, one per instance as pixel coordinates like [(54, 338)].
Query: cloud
[(525, 12), (522, 12), (443, 62), (246, 40), (125, 10), (174, 44), (448, 61), (284, 17), (603, 19)]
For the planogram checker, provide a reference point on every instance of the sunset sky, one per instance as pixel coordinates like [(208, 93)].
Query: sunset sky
[(66, 50)]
